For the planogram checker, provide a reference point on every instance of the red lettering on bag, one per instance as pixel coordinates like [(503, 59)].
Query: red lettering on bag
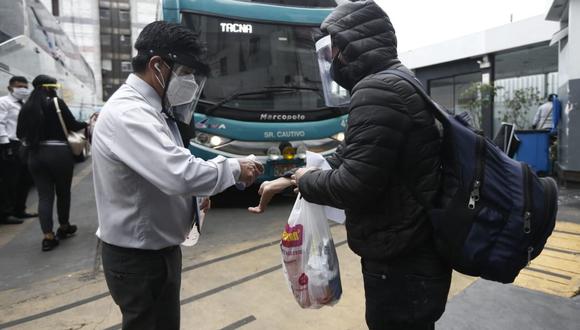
[(292, 236)]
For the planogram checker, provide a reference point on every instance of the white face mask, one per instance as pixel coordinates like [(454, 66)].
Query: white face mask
[(182, 93), (182, 89), (20, 93)]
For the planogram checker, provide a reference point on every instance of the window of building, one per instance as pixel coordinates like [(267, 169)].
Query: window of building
[(451, 93), (105, 40), (124, 16), (126, 66), (532, 72), (441, 91), (125, 40), (105, 13)]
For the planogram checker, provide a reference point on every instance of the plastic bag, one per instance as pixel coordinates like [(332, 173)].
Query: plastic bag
[(317, 160), (309, 259)]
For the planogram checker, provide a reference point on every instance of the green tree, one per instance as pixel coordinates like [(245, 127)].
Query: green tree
[(477, 97), (518, 106)]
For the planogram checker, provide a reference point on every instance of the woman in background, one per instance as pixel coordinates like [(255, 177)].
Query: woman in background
[(50, 158)]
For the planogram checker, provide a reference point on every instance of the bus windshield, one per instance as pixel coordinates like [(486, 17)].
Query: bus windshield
[(258, 66)]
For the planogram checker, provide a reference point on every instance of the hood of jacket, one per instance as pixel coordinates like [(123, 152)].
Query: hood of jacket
[(363, 33)]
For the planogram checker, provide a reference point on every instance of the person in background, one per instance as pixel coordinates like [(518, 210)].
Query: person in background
[(388, 165), (146, 181), (14, 175), (543, 119), (50, 159)]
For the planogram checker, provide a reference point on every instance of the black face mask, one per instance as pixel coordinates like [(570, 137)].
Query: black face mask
[(338, 75)]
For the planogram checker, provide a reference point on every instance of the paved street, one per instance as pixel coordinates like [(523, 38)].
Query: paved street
[(233, 278)]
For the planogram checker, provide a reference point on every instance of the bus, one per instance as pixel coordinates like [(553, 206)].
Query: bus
[(32, 42), (264, 96)]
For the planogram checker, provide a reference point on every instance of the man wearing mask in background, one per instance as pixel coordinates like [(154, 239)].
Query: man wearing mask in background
[(388, 163), (15, 179), (145, 179)]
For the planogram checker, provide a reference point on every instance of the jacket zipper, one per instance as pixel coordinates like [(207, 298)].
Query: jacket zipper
[(475, 195)]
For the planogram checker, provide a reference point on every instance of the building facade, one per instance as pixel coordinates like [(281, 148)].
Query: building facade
[(566, 41), (515, 58), (105, 32)]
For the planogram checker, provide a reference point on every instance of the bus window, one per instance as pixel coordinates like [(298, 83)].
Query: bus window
[(249, 56)]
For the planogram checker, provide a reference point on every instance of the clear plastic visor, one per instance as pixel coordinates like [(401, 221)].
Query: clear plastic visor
[(334, 94)]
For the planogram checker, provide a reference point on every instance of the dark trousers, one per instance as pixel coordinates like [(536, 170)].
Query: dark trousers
[(52, 170), (408, 295), (16, 179), (145, 285)]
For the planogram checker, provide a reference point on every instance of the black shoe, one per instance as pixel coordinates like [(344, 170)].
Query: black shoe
[(66, 231), (10, 222), (25, 215), (49, 244)]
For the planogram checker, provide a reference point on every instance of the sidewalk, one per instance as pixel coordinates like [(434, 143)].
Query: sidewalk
[(233, 279)]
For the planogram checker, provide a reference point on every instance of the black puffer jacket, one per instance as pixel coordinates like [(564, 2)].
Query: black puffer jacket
[(392, 143)]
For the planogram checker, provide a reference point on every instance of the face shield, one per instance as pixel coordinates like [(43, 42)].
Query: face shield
[(183, 92), (334, 95)]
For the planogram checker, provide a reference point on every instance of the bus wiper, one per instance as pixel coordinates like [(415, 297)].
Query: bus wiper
[(265, 90)]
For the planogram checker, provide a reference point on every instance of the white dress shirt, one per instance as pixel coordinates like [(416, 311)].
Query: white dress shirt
[(143, 176), (9, 110)]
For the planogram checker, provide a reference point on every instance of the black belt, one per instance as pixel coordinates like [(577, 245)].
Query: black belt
[(139, 251)]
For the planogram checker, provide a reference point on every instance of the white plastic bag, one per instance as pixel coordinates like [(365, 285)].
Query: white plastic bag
[(309, 257), (195, 232), (316, 160)]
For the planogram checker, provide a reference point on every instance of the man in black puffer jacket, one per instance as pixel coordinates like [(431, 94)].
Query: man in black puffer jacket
[(388, 162)]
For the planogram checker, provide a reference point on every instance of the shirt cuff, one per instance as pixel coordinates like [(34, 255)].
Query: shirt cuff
[(4, 140), (235, 167)]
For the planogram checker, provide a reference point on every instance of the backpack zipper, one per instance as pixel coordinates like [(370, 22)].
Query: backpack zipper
[(475, 195), (527, 211)]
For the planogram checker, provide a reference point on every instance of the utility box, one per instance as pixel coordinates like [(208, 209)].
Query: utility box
[(534, 149)]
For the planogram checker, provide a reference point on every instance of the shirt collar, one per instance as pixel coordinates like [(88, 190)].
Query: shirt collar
[(12, 98), (143, 88)]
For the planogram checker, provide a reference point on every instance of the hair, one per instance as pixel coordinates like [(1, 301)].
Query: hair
[(17, 79), (31, 118), (551, 97), (159, 37)]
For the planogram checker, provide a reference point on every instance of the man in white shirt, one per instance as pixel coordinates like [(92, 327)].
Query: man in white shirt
[(544, 116), (15, 179), (145, 179)]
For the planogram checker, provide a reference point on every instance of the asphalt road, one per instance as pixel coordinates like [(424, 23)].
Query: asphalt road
[(232, 278)]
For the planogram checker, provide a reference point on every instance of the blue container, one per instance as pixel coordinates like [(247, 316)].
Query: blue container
[(533, 149)]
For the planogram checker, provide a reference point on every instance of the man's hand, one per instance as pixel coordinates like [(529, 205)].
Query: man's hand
[(249, 171), (205, 205), (267, 190), (298, 175)]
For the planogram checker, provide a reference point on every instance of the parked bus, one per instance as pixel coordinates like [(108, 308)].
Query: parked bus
[(32, 43), (264, 96)]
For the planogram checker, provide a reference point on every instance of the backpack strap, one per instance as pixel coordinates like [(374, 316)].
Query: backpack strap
[(438, 111)]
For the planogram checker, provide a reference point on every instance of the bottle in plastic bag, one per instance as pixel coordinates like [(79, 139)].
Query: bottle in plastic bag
[(309, 257)]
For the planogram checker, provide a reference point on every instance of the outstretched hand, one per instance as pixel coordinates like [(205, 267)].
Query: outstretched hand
[(267, 190)]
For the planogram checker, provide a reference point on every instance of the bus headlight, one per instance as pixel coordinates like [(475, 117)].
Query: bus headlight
[(210, 140), (338, 137), (274, 153), (301, 151)]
